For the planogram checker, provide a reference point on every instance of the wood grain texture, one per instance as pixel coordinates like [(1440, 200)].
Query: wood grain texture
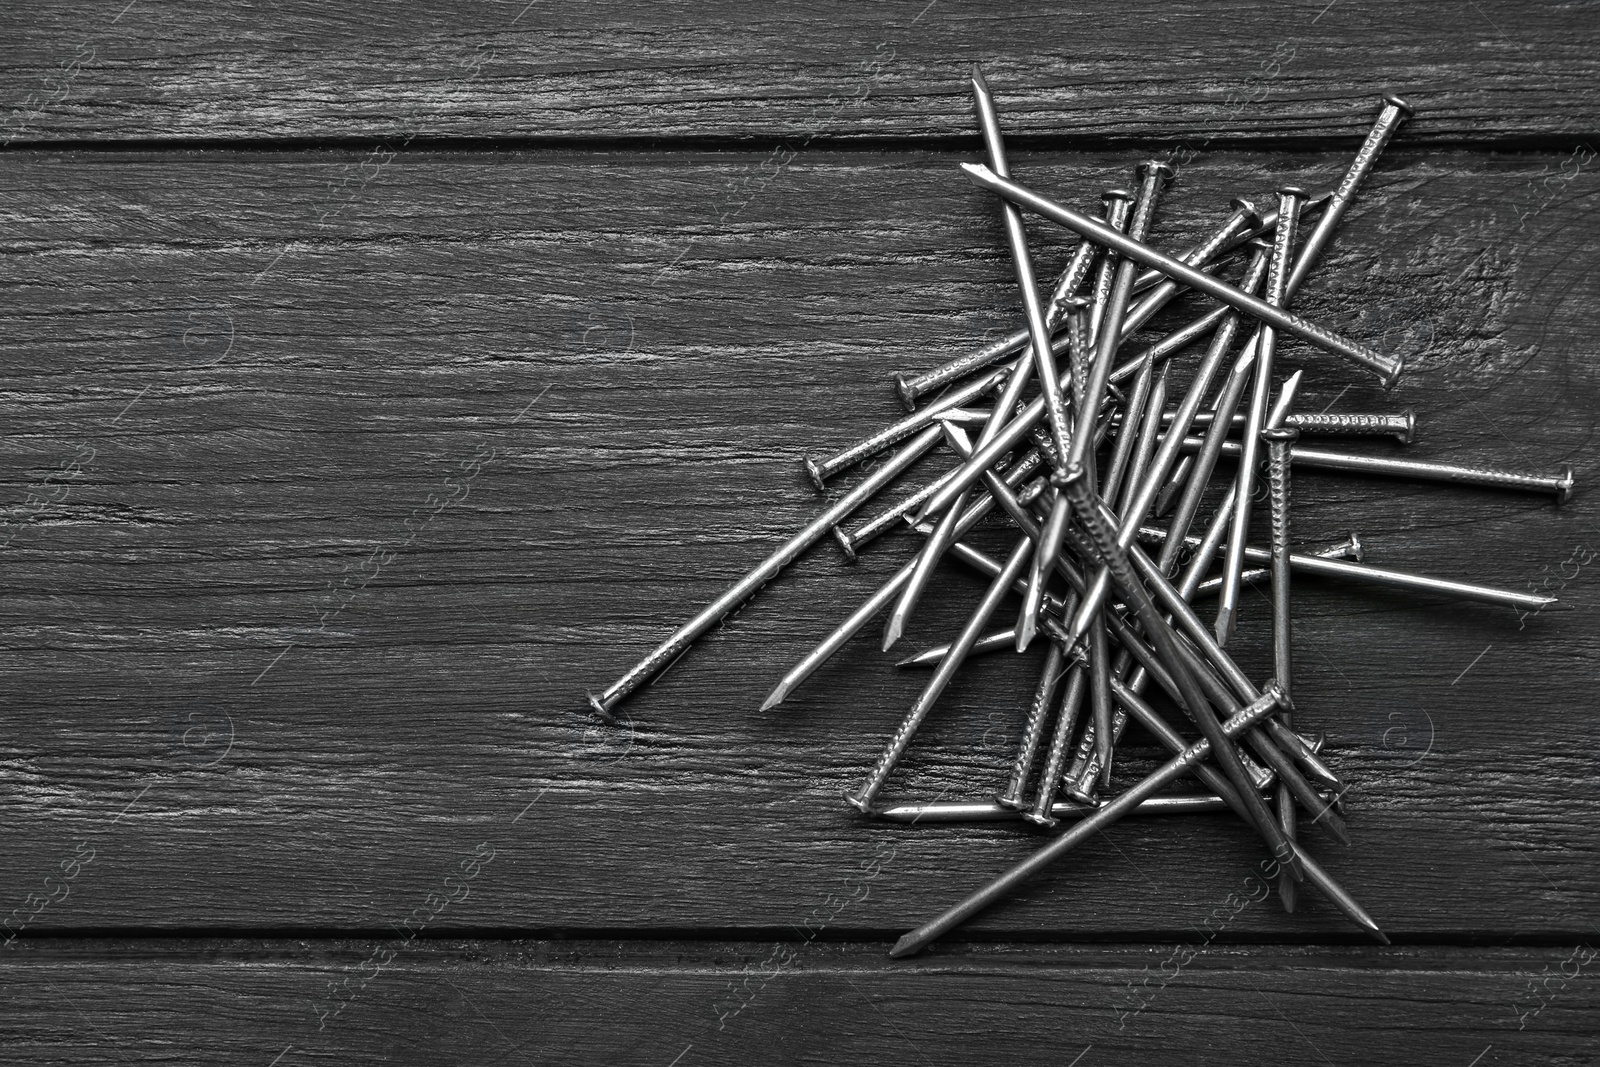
[(333, 483), (192, 70), (353, 1002)]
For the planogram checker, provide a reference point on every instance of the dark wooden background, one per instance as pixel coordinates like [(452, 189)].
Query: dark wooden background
[(380, 377)]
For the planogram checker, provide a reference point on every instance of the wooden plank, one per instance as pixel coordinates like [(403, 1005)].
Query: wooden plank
[(356, 1002), (329, 493), (194, 70)]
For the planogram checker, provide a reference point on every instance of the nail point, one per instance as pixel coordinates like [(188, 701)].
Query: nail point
[(1224, 626), (892, 631), (601, 710)]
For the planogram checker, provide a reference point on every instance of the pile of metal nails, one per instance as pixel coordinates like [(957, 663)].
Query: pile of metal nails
[(1104, 474)]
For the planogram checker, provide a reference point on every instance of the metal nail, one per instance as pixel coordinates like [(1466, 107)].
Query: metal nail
[(741, 591), (994, 641), (1365, 573), (1559, 484), (978, 811), (1278, 442), (1401, 425), (1189, 480), (1290, 200), (1387, 367), (1044, 362), (1138, 401), (1394, 112)]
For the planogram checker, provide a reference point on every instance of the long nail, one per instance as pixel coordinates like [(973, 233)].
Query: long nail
[(1181, 764), (1387, 367), (741, 591), (1278, 442), (1190, 483), (1044, 362), (998, 588), (994, 641), (1366, 574), (1394, 112), (1559, 484), (1289, 203), (1401, 425), (979, 811)]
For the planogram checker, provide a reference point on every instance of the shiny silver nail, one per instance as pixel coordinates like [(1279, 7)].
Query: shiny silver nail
[(741, 591), (1387, 367), (1290, 200), (1278, 442)]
